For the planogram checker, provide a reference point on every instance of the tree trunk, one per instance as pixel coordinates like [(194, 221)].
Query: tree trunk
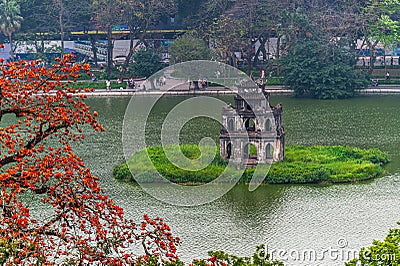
[(11, 47), (249, 63), (94, 49), (372, 56), (260, 49), (132, 48), (110, 47), (60, 21), (278, 44)]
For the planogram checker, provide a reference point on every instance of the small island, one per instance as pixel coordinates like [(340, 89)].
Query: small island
[(302, 165)]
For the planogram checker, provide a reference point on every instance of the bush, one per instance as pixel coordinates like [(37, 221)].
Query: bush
[(146, 63), (386, 252), (315, 164)]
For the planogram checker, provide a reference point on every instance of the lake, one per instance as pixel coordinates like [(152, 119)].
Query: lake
[(291, 220)]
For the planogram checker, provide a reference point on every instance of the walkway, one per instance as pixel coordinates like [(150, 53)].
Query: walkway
[(388, 89)]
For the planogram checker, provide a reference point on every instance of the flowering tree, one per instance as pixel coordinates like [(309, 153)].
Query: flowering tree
[(40, 116)]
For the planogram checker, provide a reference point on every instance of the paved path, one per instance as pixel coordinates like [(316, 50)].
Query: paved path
[(218, 91)]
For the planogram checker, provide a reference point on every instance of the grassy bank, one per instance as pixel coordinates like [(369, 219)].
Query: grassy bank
[(315, 164)]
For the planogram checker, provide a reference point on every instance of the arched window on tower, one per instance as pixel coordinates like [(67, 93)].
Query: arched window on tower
[(269, 152), (268, 126), (231, 124), (250, 151), (250, 125), (229, 150)]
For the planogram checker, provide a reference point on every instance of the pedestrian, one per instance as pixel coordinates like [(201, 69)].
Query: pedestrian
[(131, 83), (94, 78), (387, 75), (119, 81), (108, 85)]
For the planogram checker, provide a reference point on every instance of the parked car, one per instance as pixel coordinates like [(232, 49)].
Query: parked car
[(119, 59)]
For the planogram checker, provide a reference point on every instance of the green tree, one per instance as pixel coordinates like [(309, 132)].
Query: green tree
[(381, 24), (146, 63), (68, 14), (139, 16), (108, 13), (227, 35), (10, 19), (187, 48), (321, 70), (386, 252)]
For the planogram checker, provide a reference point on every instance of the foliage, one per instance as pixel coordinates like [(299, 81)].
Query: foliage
[(259, 258), (187, 48), (38, 165), (107, 14), (146, 63), (97, 85), (313, 164), (385, 253), (10, 16), (10, 19), (383, 24), (140, 15), (274, 81), (226, 36), (321, 70)]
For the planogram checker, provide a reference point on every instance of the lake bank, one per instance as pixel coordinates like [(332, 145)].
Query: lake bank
[(276, 90)]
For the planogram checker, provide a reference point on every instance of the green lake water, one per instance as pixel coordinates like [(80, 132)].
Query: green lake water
[(293, 218)]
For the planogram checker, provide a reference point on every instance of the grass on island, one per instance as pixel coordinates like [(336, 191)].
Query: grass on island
[(315, 164)]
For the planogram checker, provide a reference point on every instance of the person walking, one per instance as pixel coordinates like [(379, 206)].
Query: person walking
[(108, 85)]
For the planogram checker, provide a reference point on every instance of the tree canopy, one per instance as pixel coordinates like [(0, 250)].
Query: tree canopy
[(187, 48), (146, 63), (41, 115), (321, 70), (10, 19)]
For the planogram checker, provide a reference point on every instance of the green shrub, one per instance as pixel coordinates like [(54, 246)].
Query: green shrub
[(315, 164)]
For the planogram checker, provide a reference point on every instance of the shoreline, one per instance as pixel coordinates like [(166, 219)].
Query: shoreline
[(219, 91), (322, 183)]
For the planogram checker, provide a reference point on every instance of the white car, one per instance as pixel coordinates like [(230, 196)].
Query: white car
[(119, 59)]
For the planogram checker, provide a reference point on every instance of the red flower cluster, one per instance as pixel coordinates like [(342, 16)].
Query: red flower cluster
[(41, 114)]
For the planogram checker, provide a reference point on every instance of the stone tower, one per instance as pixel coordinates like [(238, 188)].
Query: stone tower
[(252, 130)]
